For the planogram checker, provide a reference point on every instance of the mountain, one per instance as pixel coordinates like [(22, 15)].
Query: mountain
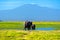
[(31, 12)]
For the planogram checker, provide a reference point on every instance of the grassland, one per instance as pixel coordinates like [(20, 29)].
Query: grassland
[(29, 35), (20, 25), (13, 34)]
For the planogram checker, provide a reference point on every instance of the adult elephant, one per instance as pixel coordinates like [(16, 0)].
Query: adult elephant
[(28, 25)]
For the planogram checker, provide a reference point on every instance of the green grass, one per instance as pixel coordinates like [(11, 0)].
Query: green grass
[(20, 25), (55, 26), (11, 25), (29, 35)]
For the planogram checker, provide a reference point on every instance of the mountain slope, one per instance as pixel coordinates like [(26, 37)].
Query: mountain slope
[(31, 12)]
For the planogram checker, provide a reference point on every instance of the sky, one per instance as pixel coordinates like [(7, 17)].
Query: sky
[(11, 4)]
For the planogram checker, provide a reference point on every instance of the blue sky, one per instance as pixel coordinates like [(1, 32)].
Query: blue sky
[(11, 4)]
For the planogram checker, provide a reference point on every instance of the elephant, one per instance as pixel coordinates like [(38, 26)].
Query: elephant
[(28, 25), (33, 26)]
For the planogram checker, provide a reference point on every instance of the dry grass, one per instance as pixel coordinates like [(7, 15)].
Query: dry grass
[(29, 35)]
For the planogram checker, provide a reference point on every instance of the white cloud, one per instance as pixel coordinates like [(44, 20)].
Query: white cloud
[(33, 3)]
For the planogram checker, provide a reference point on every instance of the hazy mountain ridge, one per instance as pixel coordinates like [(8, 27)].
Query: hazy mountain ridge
[(31, 12)]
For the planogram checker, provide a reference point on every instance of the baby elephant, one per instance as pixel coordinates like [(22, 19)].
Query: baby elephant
[(33, 26)]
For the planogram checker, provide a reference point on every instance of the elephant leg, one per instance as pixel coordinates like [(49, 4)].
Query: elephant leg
[(29, 28), (25, 27)]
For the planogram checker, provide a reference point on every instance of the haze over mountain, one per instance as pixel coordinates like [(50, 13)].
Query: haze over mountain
[(30, 12)]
